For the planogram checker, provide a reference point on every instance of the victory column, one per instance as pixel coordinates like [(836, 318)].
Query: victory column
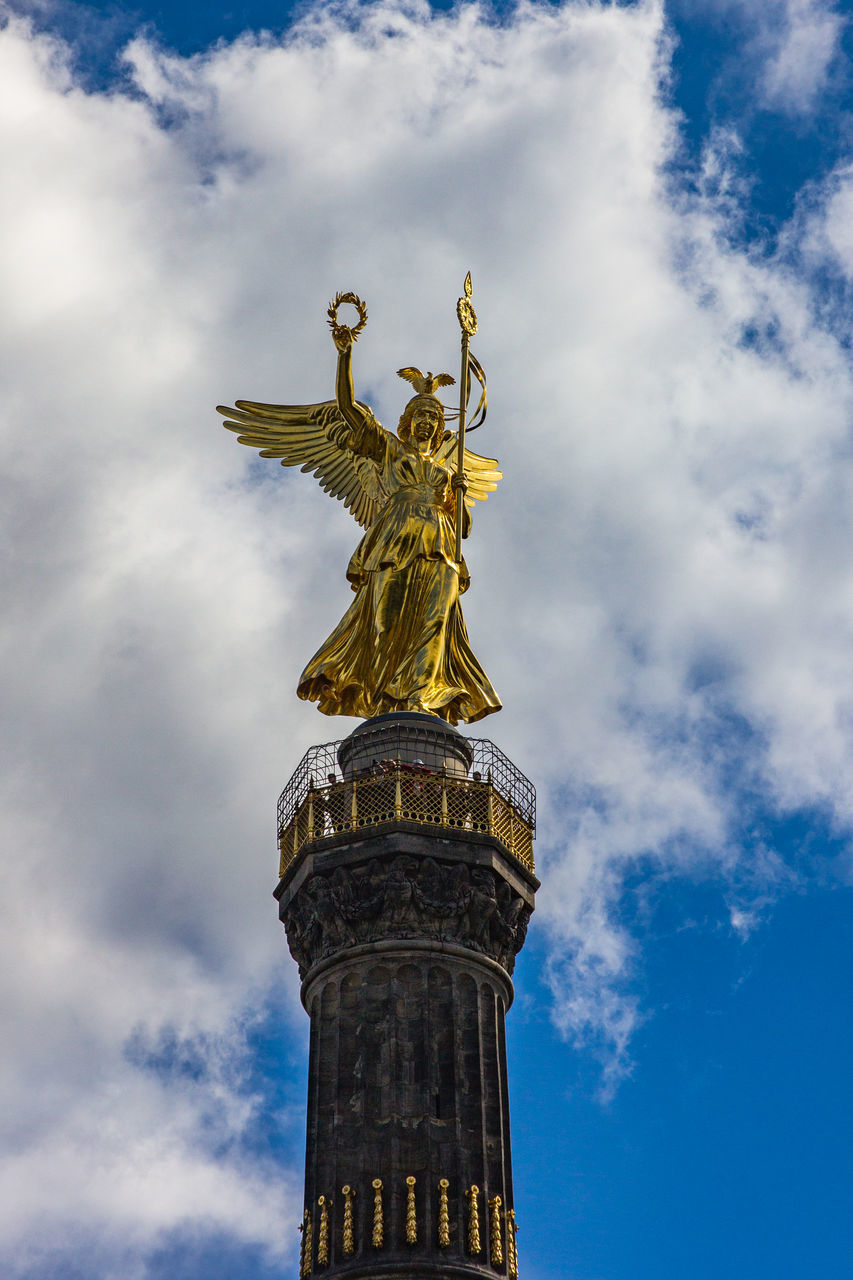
[(406, 851)]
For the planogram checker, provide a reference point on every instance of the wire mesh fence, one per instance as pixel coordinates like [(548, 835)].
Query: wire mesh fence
[(493, 797)]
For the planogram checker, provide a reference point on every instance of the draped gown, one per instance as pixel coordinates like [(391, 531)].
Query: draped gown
[(403, 644)]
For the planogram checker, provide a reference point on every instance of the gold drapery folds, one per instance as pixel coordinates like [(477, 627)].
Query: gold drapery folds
[(402, 645)]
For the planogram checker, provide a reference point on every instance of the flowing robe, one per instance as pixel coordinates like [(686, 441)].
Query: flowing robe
[(402, 644)]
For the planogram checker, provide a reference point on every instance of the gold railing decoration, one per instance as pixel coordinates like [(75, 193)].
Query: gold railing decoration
[(307, 1250), (474, 1245), (511, 1247), (496, 1249), (411, 1214), (348, 1234), (378, 1221), (401, 794), (443, 1215), (323, 1234)]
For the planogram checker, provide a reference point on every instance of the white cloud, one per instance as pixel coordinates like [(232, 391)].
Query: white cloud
[(802, 46), (823, 229), (126, 1165), (789, 48), (661, 586)]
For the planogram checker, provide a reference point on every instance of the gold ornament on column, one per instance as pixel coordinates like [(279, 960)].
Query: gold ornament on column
[(307, 1257), (323, 1235), (443, 1215), (411, 1217), (378, 1221), (474, 1245), (348, 1235), (496, 1250), (511, 1247)]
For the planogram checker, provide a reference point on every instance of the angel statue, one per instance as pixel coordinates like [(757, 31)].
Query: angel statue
[(402, 645)]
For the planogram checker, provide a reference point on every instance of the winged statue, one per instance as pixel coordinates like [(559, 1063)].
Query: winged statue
[(402, 645)]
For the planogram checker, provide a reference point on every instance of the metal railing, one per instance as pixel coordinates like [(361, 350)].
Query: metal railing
[(495, 799)]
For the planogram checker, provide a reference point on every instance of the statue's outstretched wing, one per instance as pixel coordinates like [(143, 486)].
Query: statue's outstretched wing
[(483, 474), (306, 436)]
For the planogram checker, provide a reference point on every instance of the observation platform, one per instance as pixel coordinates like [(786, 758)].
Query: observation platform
[(406, 771)]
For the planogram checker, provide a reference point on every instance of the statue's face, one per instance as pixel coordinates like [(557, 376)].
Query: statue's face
[(426, 420)]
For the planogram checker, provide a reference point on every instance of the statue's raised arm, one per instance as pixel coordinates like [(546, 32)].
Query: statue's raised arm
[(344, 336), (316, 438), (402, 645)]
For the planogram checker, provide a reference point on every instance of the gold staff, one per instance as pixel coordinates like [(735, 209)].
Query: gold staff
[(468, 323)]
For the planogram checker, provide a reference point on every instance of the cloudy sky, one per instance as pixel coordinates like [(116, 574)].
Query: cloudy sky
[(656, 204)]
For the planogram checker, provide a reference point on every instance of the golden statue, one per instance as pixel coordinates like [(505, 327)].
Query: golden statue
[(402, 645)]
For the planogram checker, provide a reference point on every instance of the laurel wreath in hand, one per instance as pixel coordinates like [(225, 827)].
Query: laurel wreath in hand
[(354, 300)]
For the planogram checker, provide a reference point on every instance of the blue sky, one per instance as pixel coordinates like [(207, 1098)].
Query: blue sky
[(656, 202)]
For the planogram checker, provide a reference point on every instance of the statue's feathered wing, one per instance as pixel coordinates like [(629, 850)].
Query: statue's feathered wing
[(304, 435), (483, 474)]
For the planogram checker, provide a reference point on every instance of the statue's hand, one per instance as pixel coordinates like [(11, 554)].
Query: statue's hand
[(342, 336), (459, 482)]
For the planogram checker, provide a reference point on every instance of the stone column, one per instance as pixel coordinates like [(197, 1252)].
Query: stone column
[(406, 940)]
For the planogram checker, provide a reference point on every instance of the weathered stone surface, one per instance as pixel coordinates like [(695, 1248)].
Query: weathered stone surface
[(407, 1078), (406, 942), (405, 895)]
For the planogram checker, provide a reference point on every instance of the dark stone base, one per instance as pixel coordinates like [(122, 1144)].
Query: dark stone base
[(406, 940), (408, 1078), (399, 884), (405, 1266)]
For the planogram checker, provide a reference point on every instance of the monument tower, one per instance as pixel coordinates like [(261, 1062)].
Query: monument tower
[(406, 854)]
